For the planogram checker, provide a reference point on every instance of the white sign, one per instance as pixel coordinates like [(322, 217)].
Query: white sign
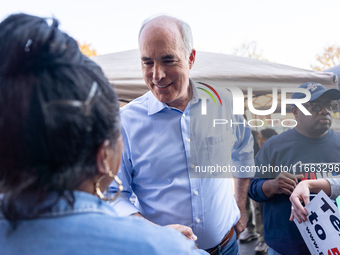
[(321, 231)]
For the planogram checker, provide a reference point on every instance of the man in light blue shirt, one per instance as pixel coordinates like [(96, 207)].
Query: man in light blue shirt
[(169, 144)]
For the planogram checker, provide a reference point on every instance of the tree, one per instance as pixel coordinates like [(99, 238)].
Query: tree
[(85, 48), (329, 58), (250, 50)]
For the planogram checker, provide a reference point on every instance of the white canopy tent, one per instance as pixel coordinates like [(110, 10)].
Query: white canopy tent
[(123, 70)]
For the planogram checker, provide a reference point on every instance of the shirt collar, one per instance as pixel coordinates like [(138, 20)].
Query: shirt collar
[(195, 96), (155, 106), (84, 203)]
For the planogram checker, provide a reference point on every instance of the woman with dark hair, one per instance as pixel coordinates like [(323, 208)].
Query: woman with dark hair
[(60, 148)]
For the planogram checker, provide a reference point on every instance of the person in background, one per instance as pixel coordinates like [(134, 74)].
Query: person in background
[(60, 149), (165, 142), (256, 143), (264, 135), (331, 186), (252, 231), (311, 141)]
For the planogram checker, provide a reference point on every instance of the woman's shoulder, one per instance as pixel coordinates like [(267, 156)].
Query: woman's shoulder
[(132, 235), (100, 233)]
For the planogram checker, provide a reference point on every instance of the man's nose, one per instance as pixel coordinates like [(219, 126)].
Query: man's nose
[(324, 110), (158, 72)]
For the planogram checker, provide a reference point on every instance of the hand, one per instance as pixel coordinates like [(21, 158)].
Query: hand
[(301, 193), (186, 231), (285, 183), (241, 190), (240, 226)]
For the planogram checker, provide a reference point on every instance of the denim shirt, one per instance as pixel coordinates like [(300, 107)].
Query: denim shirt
[(90, 227)]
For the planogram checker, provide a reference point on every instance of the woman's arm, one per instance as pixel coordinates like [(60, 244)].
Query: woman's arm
[(302, 192)]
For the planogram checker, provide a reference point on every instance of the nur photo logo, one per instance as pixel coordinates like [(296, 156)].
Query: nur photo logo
[(204, 103), (239, 104)]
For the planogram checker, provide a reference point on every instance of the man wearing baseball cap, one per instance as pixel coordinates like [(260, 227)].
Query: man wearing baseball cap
[(311, 143)]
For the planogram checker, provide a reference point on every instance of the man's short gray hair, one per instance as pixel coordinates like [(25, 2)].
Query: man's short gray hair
[(184, 28)]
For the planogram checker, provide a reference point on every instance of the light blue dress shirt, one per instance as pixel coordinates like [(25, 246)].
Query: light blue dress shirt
[(90, 227), (163, 147)]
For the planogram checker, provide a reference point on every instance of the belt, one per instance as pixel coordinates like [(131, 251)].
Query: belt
[(223, 243)]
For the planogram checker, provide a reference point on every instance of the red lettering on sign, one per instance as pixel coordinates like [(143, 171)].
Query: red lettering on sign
[(333, 251)]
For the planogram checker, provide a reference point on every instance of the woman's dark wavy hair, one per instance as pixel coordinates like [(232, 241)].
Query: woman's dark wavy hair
[(56, 109)]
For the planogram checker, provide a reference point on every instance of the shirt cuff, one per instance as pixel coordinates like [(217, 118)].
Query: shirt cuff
[(259, 191), (255, 190), (123, 206), (244, 169)]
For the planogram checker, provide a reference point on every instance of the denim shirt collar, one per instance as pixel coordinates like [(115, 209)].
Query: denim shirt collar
[(155, 106), (84, 203)]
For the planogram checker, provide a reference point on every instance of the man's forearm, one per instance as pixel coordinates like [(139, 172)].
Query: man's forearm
[(141, 216), (267, 188), (186, 231), (241, 192), (138, 215)]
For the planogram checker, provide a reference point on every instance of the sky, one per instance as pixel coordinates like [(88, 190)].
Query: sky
[(290, 32)]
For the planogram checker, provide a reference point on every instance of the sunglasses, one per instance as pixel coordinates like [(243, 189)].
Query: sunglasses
[(317, 106)]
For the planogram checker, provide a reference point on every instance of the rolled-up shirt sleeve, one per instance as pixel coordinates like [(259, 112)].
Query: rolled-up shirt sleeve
[(122, 203), (243, 150)]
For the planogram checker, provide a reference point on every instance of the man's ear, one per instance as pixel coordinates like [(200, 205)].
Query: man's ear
[(192, 58), (295, 111), (102, 157)]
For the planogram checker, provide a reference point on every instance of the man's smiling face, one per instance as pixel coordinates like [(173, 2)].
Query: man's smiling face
[(164, 64)]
